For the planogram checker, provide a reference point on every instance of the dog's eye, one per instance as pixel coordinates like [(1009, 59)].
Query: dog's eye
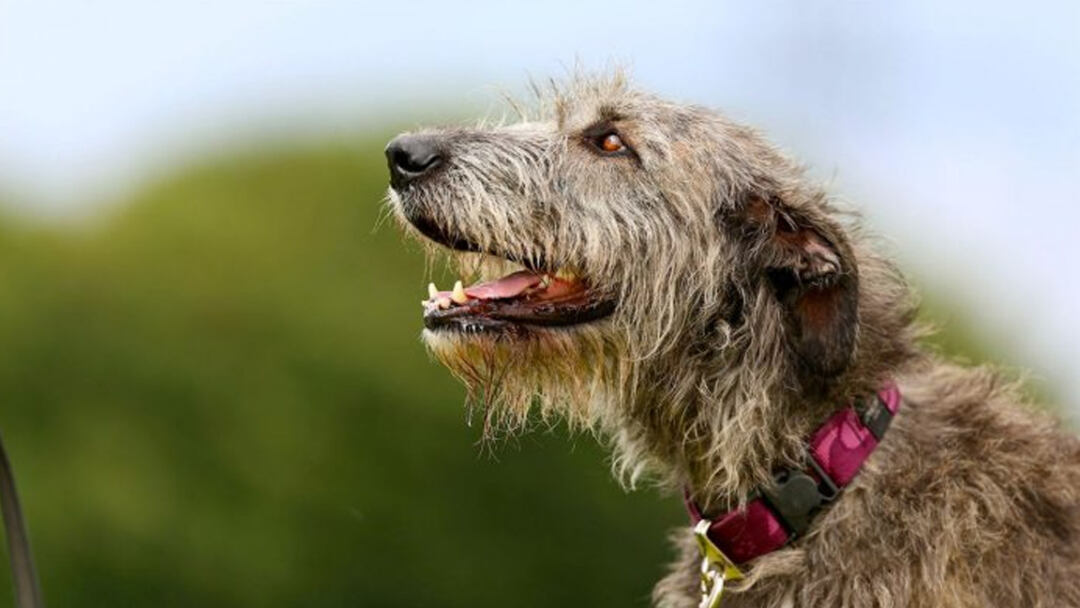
[(610, 143)]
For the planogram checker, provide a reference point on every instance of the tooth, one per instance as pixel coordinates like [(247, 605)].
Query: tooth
[(443, 302), (432, 291), (459, 294), (545, 280)]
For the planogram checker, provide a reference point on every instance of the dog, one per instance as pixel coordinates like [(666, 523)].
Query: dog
[(665, 277)]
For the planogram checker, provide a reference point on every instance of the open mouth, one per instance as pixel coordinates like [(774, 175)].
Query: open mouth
[(528, 297), (521, 298)]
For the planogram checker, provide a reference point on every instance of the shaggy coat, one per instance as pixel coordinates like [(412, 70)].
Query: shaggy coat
[(747, 309)]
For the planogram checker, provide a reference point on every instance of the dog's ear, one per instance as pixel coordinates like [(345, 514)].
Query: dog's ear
[(808, 264)]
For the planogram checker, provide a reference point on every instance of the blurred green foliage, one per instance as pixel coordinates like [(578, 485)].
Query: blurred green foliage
[(215, 395)]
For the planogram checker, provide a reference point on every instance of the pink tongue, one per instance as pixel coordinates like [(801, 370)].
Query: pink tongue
[(507, 287)]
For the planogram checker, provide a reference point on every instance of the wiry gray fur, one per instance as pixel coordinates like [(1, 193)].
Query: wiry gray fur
[(749, 309)]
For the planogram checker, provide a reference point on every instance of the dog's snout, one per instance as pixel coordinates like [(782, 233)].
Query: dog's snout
[(411, 157)]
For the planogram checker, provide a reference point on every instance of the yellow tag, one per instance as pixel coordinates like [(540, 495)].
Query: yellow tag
[(716, 568)]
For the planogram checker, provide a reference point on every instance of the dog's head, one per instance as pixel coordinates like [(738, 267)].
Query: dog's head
[(618, 245)]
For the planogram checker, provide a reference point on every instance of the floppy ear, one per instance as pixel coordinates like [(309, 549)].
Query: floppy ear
[(811, 269)]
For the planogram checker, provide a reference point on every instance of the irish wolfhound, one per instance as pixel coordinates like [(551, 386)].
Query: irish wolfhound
[(672, 281)]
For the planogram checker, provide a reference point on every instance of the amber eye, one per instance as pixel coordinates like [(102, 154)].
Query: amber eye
[(611, 143)]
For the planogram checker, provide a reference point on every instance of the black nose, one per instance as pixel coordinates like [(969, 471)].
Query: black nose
[(411, 157)]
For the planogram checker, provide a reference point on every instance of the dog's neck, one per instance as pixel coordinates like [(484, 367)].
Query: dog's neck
[(722, 447), (722, 431)]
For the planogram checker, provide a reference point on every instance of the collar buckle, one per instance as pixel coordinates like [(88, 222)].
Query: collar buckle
[(798, 495), (716, 568)]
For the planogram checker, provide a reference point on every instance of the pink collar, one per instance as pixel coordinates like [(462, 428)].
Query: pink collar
[(778, 515)]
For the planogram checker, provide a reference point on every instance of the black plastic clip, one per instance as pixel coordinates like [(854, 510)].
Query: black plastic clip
[(797, 495)]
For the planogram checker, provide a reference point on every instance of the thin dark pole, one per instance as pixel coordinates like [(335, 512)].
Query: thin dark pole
[(23, 575)]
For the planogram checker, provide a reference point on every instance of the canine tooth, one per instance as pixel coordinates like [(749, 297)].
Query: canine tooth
[(545, 280), (459, 294), (432, 291)]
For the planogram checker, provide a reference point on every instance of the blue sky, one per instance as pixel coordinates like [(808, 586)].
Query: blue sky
[(955, 126)]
